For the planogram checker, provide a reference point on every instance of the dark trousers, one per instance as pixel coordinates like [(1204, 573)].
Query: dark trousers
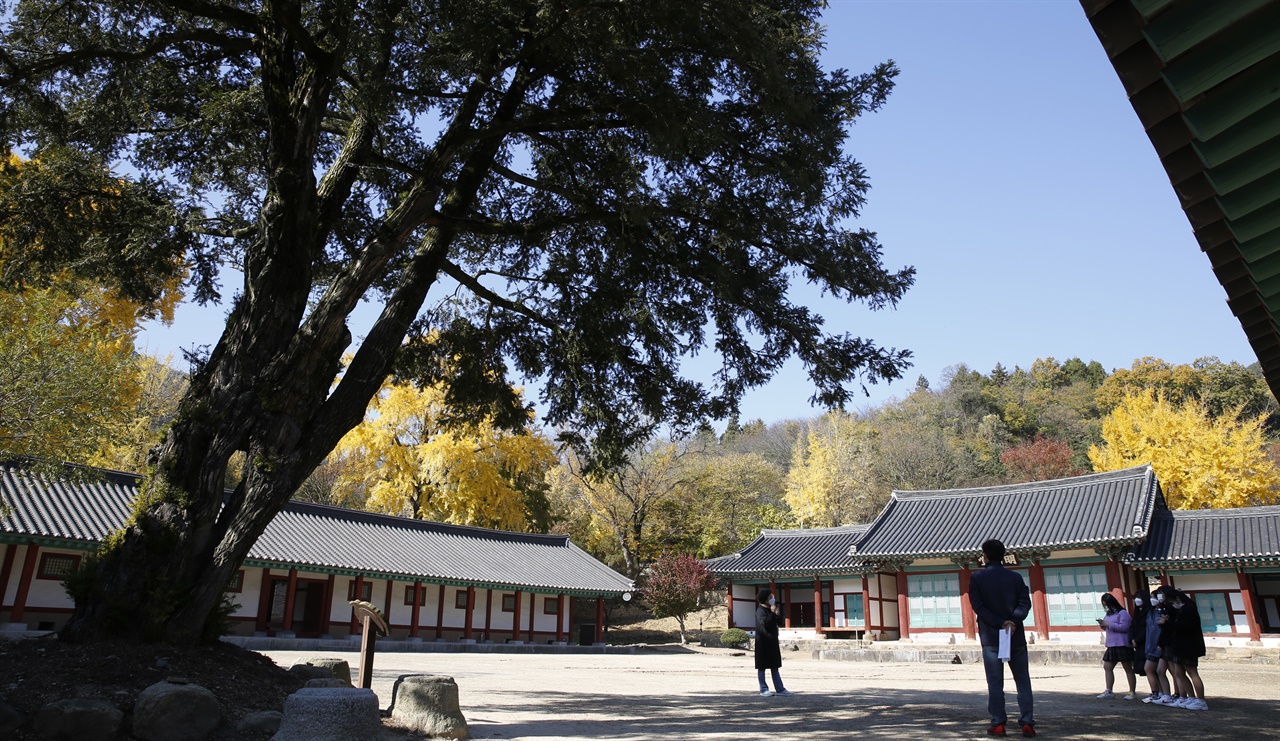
[(995, 684)]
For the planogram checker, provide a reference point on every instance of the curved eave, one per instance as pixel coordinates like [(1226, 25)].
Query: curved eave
[(795, 573), (403, 577), (1128, 542), (1224, 562)]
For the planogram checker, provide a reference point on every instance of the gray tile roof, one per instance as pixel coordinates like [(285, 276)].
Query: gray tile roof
[(318, 537), (1110, 509), (1247, 536), (815, 552)]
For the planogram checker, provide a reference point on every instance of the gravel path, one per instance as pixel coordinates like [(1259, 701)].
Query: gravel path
[(704, 694)]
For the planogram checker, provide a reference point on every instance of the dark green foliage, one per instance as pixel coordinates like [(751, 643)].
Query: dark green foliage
[(581, 192), (735, 637)]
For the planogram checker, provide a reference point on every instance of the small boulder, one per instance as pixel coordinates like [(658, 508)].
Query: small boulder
[(10, 719), (428, 704), (308, 672), (340, 668), (175, 712), (330, 714), (78, 720), (262, 724)]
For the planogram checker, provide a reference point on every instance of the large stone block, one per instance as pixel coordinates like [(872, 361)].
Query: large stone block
[(340, 668), (330, 714), (168, 711), (428, 703), (78, 720)]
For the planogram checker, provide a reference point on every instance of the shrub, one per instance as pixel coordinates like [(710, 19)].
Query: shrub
[(734, 637)]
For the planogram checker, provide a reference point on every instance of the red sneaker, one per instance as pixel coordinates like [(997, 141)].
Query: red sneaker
[(996, 730), (1028, 730)]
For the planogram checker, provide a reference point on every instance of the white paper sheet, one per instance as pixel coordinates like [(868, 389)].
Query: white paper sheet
[(1006, 636)]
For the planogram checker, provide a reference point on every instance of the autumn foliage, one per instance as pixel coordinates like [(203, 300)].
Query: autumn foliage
[(675, 586), (1039, 460)]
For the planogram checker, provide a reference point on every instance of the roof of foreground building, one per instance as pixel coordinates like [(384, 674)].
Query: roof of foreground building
[(80, 510), (1201, 76)]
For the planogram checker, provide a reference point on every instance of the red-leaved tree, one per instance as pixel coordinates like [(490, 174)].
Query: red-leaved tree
[(1041, 459), (674, 586)]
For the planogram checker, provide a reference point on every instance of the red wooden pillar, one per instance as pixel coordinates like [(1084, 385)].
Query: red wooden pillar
[(728, 604), (264, 602), (904, 607), (24, 583), (967, 617), (599, 619), (417, 609), (1115, 583), (5, 570), (466, 619), (560, 619), (817, 606), (488, 612), (786, 606), (1039, 603), (440, 616), (1250, 612), (326, 617), (533, 612), (288, 600), (515, 619), (866, 604)]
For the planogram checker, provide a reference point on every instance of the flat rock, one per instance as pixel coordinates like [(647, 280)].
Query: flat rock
[(175, 712), (78, 720)]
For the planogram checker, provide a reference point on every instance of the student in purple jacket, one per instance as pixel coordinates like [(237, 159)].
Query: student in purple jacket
[(1119, 649)]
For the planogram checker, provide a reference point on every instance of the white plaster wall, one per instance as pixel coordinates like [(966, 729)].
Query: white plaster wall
[(1189, 582), (15, 576), (847, 585), (249, 595), (744, 606)]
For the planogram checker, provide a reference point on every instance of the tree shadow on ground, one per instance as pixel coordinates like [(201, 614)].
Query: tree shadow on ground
[(862, 714)]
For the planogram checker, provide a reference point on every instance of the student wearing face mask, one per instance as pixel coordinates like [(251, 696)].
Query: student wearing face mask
[(1138, 632), (1187, 646), (1156, 668), (768, 653), (1119, 650)]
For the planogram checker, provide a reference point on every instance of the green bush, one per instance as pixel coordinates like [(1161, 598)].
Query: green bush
[(734, 637)]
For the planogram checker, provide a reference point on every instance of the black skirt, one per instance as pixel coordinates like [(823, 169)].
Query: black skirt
[(1118, 654)]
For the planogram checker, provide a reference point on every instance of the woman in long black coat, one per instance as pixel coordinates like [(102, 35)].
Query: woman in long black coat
[(768, 655)]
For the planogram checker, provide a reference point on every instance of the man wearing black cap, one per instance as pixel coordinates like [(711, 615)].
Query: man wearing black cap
[(1002, 601)]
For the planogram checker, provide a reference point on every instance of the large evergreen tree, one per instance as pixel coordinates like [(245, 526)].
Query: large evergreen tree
[(579, 191)]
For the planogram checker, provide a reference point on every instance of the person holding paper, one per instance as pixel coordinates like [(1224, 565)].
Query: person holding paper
[(1001, 600)]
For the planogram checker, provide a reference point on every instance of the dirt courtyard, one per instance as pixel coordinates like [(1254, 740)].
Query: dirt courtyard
[(672, 693)]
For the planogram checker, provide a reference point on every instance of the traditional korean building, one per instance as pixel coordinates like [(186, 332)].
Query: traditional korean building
[(432, 581), (905, 576)]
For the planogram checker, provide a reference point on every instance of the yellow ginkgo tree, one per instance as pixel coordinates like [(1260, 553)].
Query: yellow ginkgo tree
[(1201, 462), (407, 463)]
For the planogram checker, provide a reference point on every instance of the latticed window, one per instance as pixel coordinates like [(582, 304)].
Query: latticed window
[(551, 606), (508, 603), (1074, 594), (934, 600), (236, 583), (408, 596), (366, 591), (57, 566)]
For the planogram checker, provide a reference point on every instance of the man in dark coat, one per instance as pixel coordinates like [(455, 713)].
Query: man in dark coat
[(768, 653), (1001, 601)]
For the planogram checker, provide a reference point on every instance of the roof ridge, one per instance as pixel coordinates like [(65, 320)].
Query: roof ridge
[(1028, 486), (374, 518), (1225, 512), (814, 531)]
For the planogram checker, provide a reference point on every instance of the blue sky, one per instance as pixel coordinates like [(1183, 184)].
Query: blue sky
[(1010, 170)]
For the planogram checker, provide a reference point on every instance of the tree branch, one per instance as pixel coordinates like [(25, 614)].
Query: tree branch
[(458, 274)]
